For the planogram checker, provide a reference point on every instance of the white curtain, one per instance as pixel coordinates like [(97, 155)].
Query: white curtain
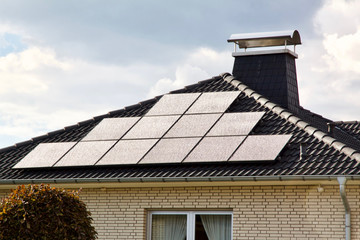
[(217, 227), (166, 227)]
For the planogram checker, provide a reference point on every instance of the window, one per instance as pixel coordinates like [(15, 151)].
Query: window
[(190, 225)]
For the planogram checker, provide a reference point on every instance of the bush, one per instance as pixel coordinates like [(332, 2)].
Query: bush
[(42, 212)]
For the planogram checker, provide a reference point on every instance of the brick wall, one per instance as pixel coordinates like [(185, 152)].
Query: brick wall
[(259, 212)]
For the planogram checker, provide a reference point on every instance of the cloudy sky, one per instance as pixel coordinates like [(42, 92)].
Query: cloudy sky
[(66, 61)]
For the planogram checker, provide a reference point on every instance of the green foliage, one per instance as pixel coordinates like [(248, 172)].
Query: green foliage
[(42, 212)]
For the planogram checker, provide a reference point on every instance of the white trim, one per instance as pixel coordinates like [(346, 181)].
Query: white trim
[(190, 233), (264, 52)]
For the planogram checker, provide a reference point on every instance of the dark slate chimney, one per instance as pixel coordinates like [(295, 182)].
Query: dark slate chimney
[(271, 73)]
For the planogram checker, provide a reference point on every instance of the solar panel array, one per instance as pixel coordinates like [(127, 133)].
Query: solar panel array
[(190, 127)]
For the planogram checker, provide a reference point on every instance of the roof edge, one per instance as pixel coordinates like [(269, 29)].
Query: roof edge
[(291, 118)]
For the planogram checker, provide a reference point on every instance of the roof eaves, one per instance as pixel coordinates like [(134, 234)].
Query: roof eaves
[(290, 117)]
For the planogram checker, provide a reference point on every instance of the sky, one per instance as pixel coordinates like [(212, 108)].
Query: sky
[(66, 61)]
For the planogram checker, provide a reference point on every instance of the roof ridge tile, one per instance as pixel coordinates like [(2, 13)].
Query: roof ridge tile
[(356, 156), (111, 113), (311, 130), (328, 140), (278, 110), (131, 106), (23, 143), (34, 139), (344, 122), (70, 127), (270, 105), (148, 101), (55, 132), (100, 117), (320, 135), (289, 117), (7, 148), (338, 145), (349, 150)]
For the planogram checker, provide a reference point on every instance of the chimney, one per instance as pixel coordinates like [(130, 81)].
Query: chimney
[(269, 71)]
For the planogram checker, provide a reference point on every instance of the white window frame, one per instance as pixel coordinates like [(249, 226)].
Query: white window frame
[(190, 230)]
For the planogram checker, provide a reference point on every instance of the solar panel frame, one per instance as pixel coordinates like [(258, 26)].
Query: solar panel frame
[(127, 152), (173, 104), (151, 127), (215, 149), (85, 154), (236, 124), (111, 129), (170, 150), (260, 148), (193, 125), (213, 102), (44, 155)]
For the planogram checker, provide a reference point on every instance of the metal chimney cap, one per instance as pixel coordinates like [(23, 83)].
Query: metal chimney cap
[(266, 39)]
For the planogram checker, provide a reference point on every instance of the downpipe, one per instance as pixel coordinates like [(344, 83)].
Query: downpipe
[(342, 184)]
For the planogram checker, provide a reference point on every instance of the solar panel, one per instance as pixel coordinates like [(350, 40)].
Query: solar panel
[(45, 155), (170, 150), (111, 129), (214, 149), (260, 148), (85, 153), (151, 127), (236, 124), (213, 102), (183, 120), (171, 104), (127, 152), (193, 125)]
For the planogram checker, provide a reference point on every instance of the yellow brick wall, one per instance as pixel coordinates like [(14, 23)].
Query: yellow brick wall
[(259, 212)]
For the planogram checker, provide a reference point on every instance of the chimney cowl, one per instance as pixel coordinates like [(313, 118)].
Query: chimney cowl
[(266, 39)]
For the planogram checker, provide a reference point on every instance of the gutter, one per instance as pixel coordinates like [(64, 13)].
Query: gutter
[(342, 184), (184, 179)]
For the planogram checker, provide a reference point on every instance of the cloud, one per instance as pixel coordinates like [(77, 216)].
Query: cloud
[(202, 64), (338, 17), (20, 71), (343, 52), (329, 66), (42, 92)]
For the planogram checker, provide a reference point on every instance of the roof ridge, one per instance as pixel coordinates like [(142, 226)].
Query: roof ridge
[(291, 118), (345, 122)]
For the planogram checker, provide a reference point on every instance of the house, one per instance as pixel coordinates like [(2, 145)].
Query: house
[(231, 157)]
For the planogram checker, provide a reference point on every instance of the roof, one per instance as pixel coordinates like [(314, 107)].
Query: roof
[(327, 153)]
